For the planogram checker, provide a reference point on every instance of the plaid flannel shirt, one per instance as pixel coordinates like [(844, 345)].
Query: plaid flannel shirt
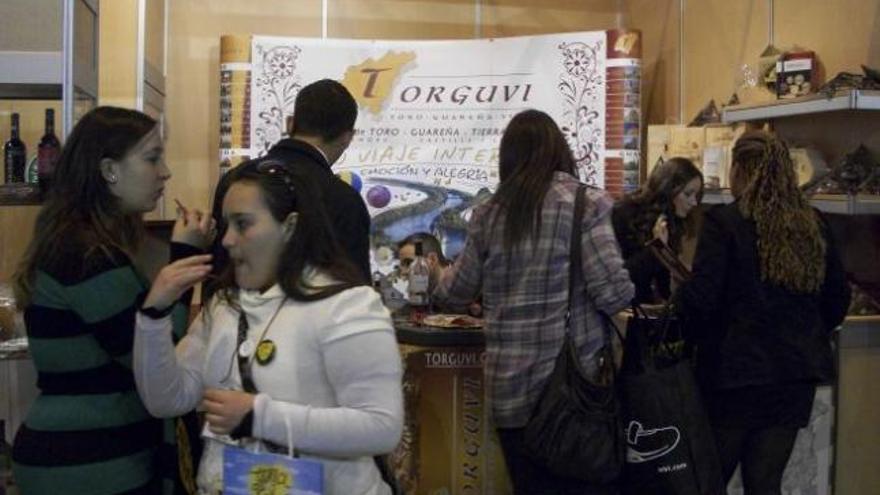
[(525, 294)]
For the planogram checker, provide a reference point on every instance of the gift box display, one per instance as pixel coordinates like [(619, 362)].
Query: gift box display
[(796, 74)]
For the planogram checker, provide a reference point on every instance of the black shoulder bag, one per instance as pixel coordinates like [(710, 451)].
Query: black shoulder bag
[(575, 429)]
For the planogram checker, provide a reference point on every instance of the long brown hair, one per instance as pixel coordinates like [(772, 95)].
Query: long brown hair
[(312, 245), (791, 246), (80, 209), (656, 197), (532, 150)]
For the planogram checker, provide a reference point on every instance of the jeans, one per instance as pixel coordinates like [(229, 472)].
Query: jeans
[(762, 453), (529, 478)]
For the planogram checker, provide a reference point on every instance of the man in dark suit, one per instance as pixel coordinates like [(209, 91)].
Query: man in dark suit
[(321, 129)]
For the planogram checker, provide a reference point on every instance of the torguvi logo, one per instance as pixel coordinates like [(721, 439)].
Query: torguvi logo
[(647, 445), (371, 81)]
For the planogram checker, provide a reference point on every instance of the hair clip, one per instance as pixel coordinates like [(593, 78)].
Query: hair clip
[(273, 168)]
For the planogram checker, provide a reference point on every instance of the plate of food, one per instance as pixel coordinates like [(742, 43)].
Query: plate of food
[(452, 321)]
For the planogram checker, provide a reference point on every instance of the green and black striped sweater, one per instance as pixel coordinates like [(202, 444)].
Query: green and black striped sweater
[(88, 432)]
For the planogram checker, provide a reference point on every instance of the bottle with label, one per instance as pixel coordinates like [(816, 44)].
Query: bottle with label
[(417, 288), (30, 171), (14, 155), (47, 152)]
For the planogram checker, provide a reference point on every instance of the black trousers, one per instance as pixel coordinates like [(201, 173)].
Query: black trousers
[(529, 478), (762, 454)]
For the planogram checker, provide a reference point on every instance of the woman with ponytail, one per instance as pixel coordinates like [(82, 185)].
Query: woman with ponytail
[(768, 289)]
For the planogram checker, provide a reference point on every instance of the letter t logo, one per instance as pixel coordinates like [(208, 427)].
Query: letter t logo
[(371, 81)]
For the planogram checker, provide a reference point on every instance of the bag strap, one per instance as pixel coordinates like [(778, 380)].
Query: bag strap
[(575, 267), (576, 274), (244, 368)]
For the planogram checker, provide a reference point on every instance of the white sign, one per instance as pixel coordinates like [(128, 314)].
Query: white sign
[(431, 115)]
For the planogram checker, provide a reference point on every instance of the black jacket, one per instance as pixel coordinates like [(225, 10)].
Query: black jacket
[(747, 331), (347, 211), (651, 278)]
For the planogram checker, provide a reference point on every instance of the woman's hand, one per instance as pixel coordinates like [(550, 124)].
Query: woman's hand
[(193, 227), (224, 409), (661, 229), (175, 279)]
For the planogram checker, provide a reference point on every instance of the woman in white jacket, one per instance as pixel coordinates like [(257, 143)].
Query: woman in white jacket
[(292, 346)]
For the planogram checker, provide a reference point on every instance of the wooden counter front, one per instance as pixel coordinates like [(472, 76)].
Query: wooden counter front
[(449, 444)]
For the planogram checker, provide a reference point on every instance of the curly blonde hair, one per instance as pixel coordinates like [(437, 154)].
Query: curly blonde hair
[(791, 246)]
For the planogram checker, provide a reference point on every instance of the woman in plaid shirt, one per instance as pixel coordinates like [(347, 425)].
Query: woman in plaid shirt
[(516, 255)]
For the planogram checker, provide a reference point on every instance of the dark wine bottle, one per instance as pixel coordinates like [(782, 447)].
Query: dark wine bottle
[(14, 155), (47, 153)]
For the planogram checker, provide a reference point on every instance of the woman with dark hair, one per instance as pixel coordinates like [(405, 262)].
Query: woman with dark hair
[(662, 209), (517, 254), (767, 289), (292, 346), (88, 431)]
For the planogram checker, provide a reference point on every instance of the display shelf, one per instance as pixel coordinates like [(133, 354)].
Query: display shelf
[(851, 99), (69, 74), (31, 75), (841, 204), (860, 332), (19, 194)]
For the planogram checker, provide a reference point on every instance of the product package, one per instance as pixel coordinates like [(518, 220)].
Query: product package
[(797, 74)]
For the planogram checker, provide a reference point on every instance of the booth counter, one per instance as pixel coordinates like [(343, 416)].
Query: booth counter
[(449, 444)]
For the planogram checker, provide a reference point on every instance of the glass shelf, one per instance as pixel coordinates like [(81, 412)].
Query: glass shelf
[(841, 204), (851, 99)]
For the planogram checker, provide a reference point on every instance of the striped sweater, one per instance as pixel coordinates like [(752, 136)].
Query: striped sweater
[(88, 431)]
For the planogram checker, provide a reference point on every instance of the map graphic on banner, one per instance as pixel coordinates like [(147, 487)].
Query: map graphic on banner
[(431, 116)]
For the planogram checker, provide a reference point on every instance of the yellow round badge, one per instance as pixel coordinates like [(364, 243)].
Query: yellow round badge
[(265, 352)]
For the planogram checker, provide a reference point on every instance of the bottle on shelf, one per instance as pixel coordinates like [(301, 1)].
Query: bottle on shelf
[(417, 288), (30, 171), (14, 154), (47, 153)]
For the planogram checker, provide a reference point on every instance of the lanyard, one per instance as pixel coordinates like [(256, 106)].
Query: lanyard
[(246, 358)]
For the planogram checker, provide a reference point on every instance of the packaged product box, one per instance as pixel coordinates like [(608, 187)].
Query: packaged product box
[(709, 147), (658, 145), (718, 153), (797, 74), (688, 142)]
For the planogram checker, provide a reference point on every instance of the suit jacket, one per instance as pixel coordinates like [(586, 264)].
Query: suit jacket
[(348, 213), (749, 331)]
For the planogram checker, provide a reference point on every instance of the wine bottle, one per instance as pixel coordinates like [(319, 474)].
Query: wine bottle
[(14, 155), (419, 281), (47, 152)]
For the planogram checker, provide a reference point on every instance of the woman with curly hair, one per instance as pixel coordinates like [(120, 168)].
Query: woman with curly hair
[(767, 289), (663, 209)]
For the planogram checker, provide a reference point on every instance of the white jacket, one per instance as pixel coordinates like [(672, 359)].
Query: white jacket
[(335, 380)]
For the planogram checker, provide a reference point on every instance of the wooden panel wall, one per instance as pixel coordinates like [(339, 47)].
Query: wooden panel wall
[(117, 70), (154, 44), (192, 85), (16, 229), (523, 17), (400, 19), (858, 429), (30, 25)]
